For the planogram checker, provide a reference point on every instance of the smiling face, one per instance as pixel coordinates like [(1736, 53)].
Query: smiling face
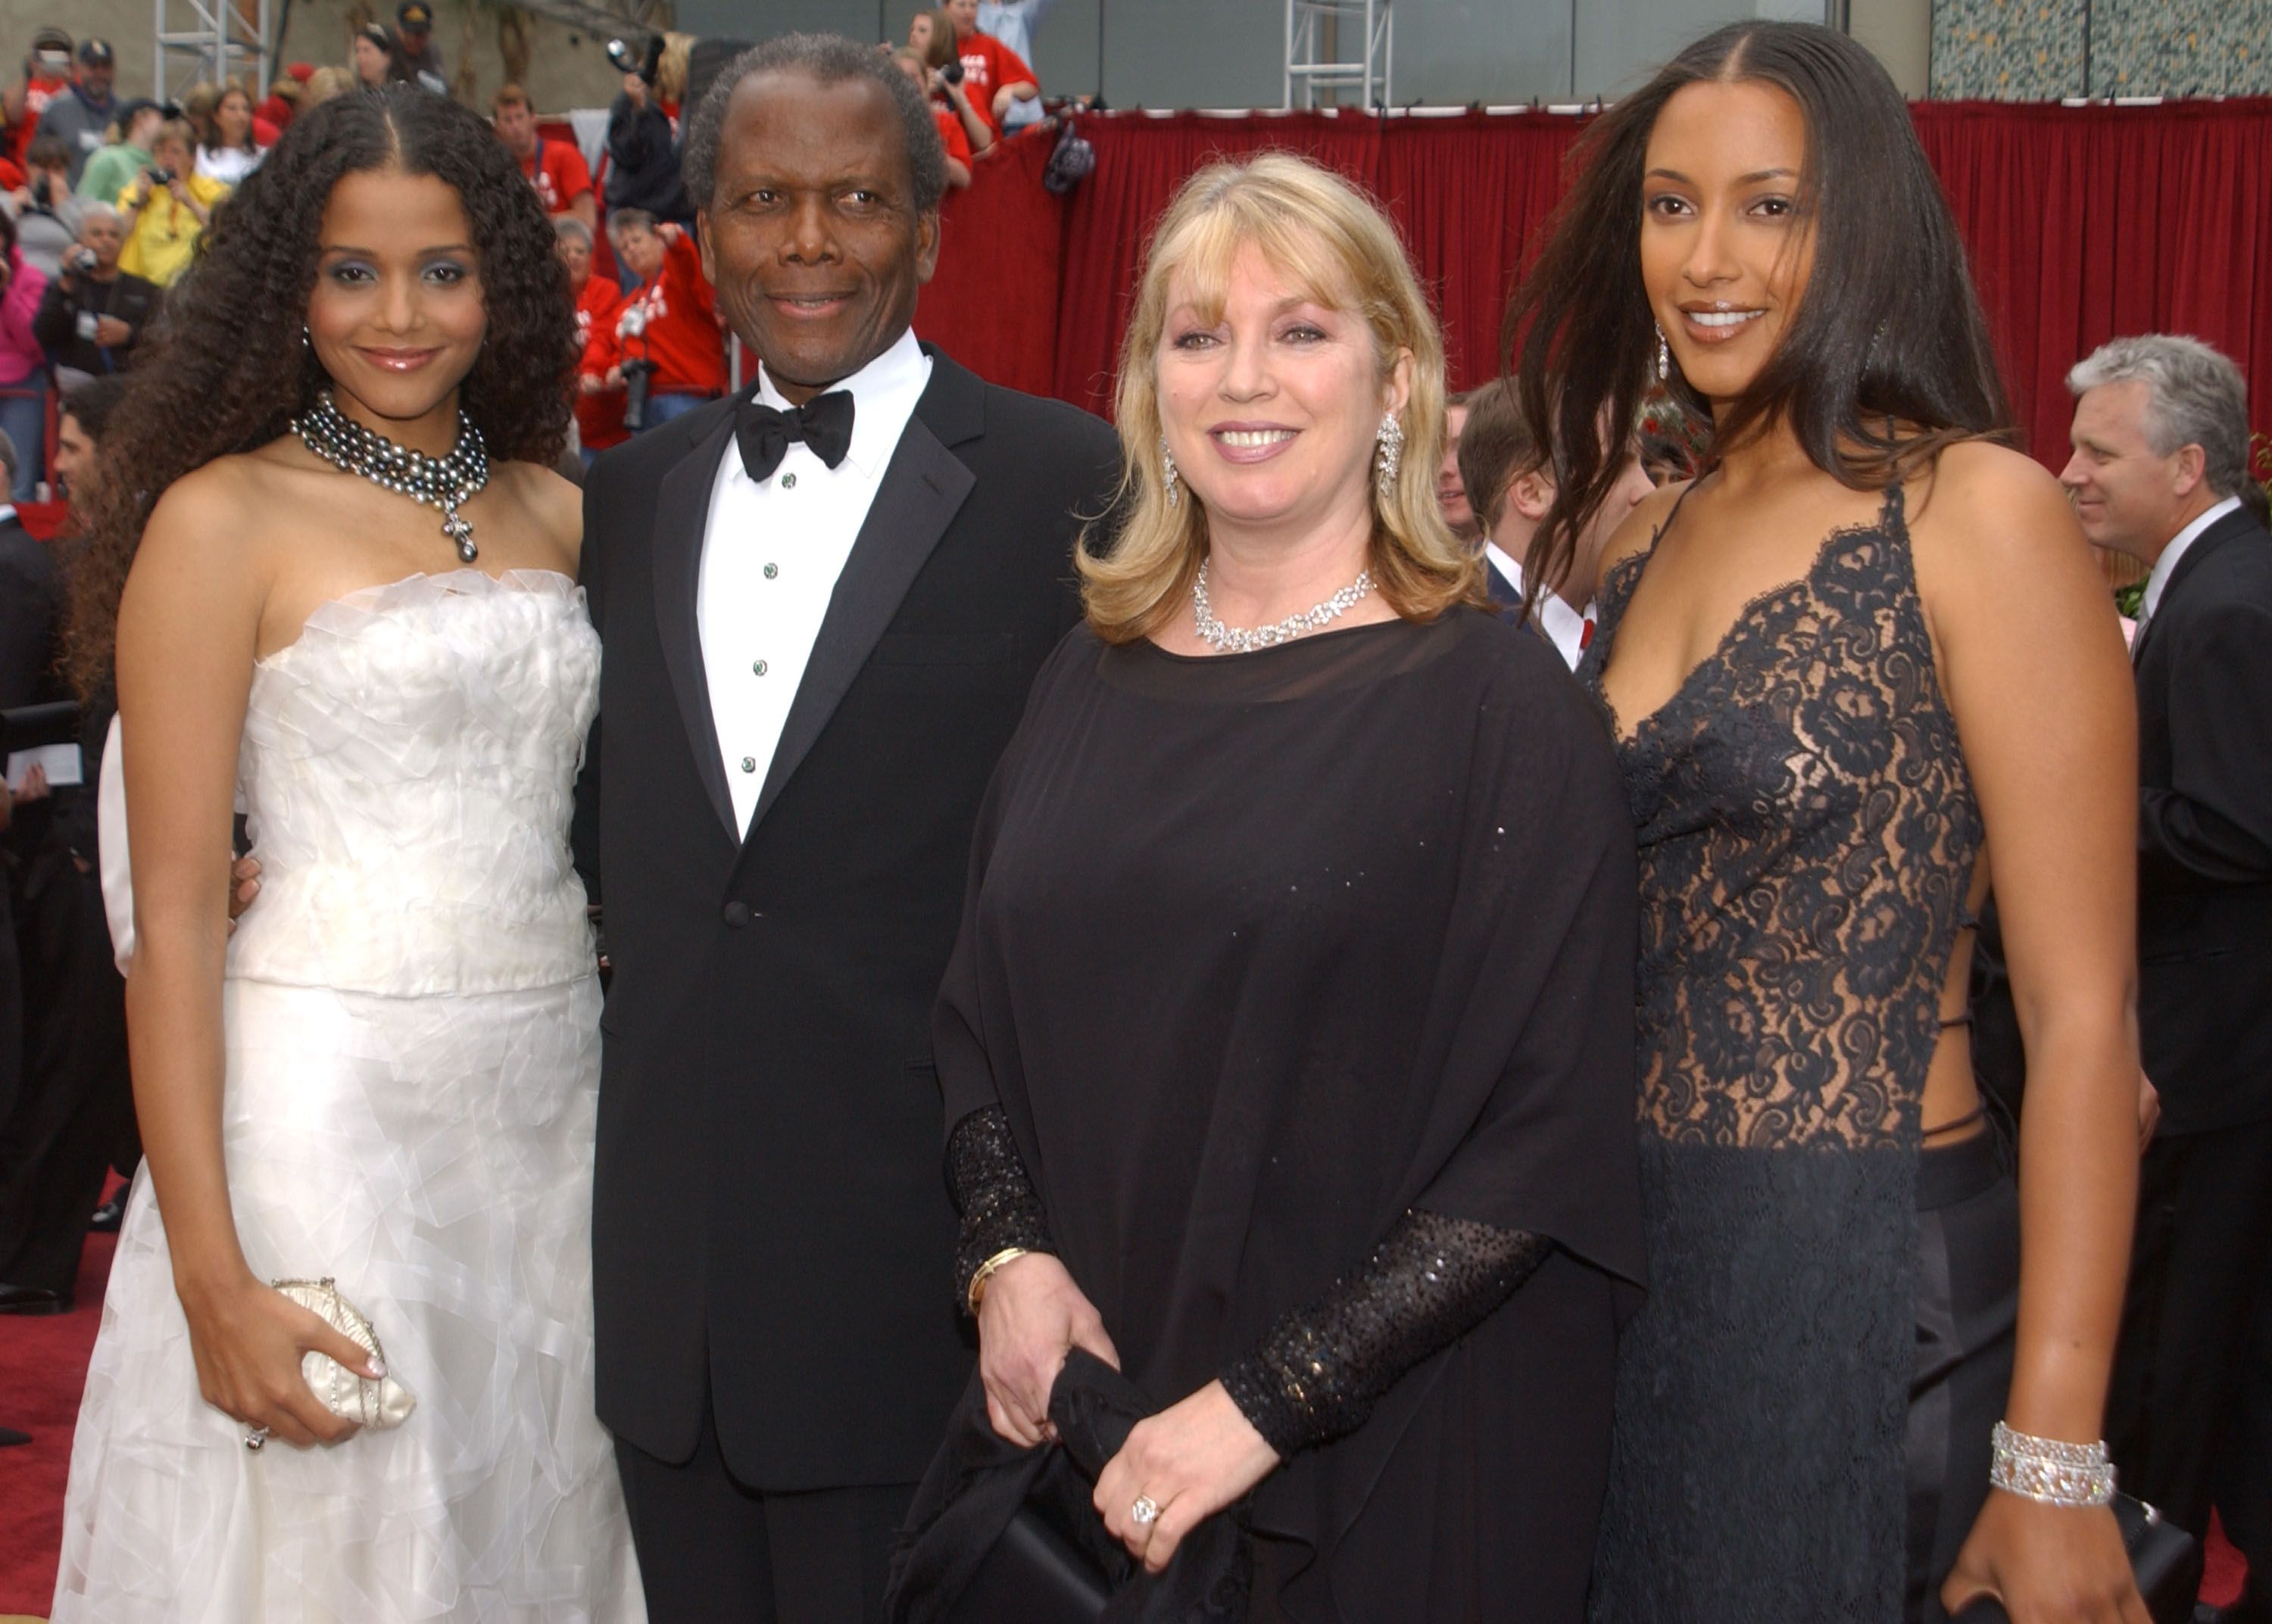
[(396, 317), (2128, 497), (812, 237), (1724, 251), (576, 254), (234, 118), (1450, 491), (640, 247), (1271, 404)]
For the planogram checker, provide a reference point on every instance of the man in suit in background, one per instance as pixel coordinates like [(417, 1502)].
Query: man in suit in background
[(823, 599), (1510, 482), (2161, 447)]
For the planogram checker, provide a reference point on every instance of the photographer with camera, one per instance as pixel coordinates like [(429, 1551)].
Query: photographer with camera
[(673, 347), (93, 313), (82, 114), (113, 168), (643, 129), (910, 62), (933, 34), (47, 214), (46, 74), (167, 207)]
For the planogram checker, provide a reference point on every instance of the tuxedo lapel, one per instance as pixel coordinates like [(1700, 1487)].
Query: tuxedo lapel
[(924, 486), (681, 516), (2233, 524), (1505, 600)]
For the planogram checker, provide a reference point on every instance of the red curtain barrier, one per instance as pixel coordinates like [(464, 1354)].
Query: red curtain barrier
[(2084, 223)]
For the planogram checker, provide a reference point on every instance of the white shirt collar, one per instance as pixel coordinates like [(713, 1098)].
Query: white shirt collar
[(7, 512), (2166, 565), (1565, 627), (884, 392)]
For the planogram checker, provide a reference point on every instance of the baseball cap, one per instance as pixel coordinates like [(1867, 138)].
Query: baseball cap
[(412, 14), (300, 71), (52, 38), (95, 53)]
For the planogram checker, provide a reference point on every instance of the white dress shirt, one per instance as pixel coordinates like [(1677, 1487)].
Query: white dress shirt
[(1563, 626), (771, 554), (2166, 565)]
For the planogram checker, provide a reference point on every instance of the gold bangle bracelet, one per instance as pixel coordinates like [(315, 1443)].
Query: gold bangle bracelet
[(977, 1295)]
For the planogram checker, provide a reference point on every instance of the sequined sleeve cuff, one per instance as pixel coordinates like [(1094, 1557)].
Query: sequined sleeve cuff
[(1317, 1372), (999, 1209)]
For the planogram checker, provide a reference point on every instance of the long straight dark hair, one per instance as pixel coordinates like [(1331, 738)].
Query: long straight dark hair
[(1887, 359)]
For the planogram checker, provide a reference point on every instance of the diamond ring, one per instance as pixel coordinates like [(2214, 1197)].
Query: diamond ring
[(1144, 1512), (254, 1439)]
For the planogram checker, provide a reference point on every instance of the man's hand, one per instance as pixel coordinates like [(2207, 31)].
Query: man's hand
[(635, 87), (110, 331)]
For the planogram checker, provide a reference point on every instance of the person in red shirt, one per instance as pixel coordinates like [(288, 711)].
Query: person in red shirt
[(599, 403), (283, 102), (949, 126), (556, 169), (993, 73), (671, 324), (46, 74)]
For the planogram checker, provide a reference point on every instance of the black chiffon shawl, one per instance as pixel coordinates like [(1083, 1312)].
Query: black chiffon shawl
[(1260, 951)]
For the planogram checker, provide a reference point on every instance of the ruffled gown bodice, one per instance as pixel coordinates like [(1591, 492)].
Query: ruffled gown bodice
[(431, 728)]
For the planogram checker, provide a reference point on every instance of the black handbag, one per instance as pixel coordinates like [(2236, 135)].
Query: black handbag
[(2165, 1559), (1034, 1576)]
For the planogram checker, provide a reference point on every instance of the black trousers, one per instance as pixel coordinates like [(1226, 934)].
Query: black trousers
[(2244, 1479), (73, 1107), (2196, 1269), (1968, 1305), (713, 1551)]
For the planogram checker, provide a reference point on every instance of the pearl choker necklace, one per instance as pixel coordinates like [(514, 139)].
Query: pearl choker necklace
[(446, 482)]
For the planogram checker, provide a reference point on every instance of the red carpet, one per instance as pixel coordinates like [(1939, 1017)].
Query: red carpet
[(43, 1363), (43, 1366)]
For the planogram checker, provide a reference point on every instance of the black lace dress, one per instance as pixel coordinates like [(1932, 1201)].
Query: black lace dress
[(1807, 838), (1293, 1011)]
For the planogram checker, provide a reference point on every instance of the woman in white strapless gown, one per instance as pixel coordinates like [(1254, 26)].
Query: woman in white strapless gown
[(404, 1059)]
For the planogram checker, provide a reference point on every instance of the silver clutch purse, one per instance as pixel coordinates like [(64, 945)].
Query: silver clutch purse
[(376, 1405)]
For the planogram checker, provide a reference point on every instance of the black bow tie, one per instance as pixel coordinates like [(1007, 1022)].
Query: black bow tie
[(824, 423)]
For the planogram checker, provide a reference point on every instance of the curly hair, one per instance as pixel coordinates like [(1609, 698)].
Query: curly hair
[(227, 370)]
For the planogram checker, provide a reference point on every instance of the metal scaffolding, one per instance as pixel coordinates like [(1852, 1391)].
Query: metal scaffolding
[(1337, 45), (205, 41)]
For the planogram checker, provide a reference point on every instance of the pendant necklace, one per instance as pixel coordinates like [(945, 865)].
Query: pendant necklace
[(1242, 639), (444, 483)]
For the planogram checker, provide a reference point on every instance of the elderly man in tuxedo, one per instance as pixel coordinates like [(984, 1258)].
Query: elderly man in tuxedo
[(823, 599), (2160, 465)]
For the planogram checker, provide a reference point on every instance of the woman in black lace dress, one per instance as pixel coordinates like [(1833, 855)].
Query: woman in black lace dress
[(1286, 1049), (1864, 655)]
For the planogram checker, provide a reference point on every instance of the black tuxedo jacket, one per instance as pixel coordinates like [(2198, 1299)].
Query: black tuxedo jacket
[(2203, 665), (770, 1215)]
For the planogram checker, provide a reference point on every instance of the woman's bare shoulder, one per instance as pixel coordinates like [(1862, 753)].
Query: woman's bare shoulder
[(553, 505), (1639, 528)]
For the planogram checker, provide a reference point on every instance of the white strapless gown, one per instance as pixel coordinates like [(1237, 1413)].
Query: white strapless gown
[(412, 1062)]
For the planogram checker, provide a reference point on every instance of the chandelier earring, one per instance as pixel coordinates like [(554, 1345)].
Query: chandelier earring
[(307, 338), (1388, 456), (1168, 472), (1663, 358)]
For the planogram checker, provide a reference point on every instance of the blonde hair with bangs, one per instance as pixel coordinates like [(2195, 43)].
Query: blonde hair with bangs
[(1315, 227)]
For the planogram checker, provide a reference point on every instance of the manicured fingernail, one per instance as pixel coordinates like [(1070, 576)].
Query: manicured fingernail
[(377, 1369)]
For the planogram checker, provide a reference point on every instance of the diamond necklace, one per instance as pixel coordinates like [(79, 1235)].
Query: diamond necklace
[(444, 483), (1242, 640)]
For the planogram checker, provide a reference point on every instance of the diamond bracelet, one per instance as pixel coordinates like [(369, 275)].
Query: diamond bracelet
[(2050, 1471)]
